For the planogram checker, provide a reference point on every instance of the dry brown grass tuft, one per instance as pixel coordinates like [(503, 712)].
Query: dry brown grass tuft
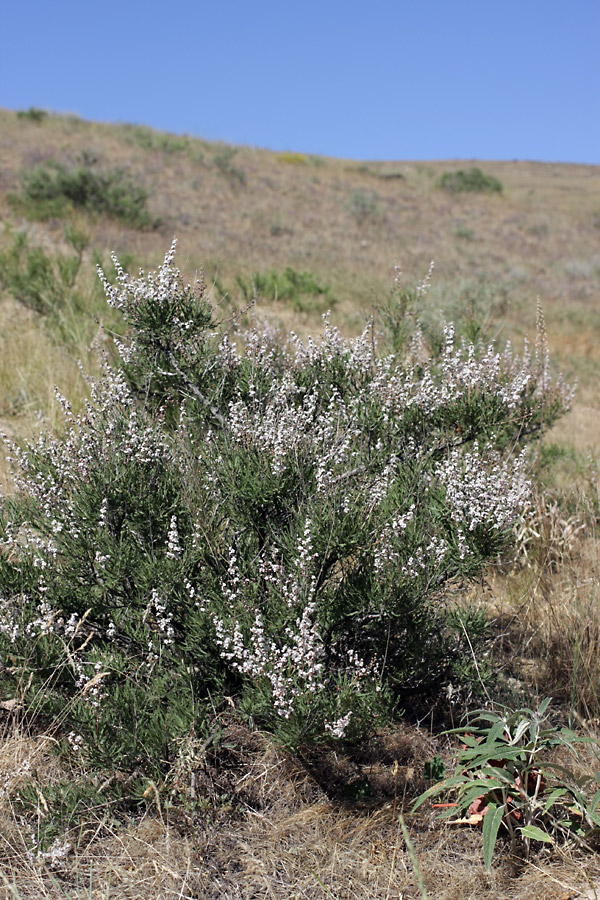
[(279, 837)]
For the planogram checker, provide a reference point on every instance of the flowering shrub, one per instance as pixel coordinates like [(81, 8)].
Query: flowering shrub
[(280, 526)]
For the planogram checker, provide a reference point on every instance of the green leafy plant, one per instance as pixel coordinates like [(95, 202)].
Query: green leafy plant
[(53, 190), (509, 780), (470, 180), (156, 141), (434, 769)]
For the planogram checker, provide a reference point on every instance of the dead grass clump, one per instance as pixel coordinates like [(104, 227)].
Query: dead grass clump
[(385, 766)]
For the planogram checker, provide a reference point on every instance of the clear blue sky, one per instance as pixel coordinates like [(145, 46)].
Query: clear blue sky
[(425, 79)]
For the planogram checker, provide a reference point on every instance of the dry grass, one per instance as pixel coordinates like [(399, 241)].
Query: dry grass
[(271, 827), (284, 840)]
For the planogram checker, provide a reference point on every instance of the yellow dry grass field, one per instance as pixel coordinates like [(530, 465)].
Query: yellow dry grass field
[(272, 826)]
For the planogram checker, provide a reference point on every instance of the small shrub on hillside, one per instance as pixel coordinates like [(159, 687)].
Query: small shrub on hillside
[(363, 205), (53, 190), (470, 180), (465, 234), (57, 287), (281, 527), (33, 114), (223, 162), (157, 141)]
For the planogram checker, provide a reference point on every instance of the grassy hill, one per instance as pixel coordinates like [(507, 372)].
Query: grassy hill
[(243, 212), (307, 234)]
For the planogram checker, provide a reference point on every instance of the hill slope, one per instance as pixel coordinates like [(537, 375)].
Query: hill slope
[(309, 233)]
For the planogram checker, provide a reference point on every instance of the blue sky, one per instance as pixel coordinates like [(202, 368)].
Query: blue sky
[(487, 79)]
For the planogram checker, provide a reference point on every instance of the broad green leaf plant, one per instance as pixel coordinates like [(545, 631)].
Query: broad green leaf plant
[(509, 779)]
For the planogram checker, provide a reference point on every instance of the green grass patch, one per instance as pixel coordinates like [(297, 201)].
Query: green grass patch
[(303, 290)]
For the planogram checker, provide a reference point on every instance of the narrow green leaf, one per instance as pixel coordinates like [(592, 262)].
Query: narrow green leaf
[(553, 796), (470, 797), (439, 788), (521, 729), (544, 706), (496, 731), (536, 834), (491, 824), (497, 751)]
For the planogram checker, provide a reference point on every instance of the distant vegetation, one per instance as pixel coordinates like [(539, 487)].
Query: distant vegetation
[(51, 189), (33, 114), (470, 180), (363, 205), (38, 280), (148, 139), (223, 161), (302, 289)]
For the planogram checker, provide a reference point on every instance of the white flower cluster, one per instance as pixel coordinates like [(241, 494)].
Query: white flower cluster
[(484, 489), (10, 617), (293, 666), (338, 728), (174, 548), (75, 741), (156, 287), (8, 779), (164, 619), (90, 687), (55, 857), (110, 425)]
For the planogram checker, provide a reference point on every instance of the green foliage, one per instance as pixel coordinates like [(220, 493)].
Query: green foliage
[(465, 234), (155, 141), (33, 114), (470, 180), (57, 286), (37, 280), (223, 162), (62, 808), (277, 527), (508, 777), (303, 290), (434, 769), (53, 190)]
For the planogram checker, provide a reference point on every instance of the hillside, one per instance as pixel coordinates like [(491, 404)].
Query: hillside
[(232, 813), (239, 211)]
